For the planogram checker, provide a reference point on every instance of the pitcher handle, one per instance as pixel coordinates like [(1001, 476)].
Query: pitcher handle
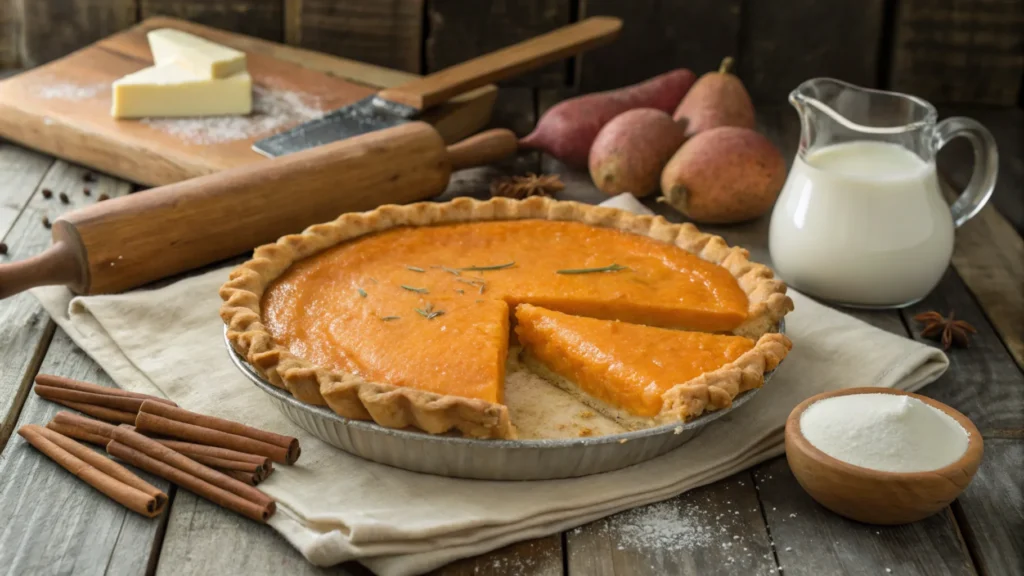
[(986, 164)]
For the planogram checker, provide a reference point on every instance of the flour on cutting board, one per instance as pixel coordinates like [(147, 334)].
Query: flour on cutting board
[(70, 91), (272, 110)]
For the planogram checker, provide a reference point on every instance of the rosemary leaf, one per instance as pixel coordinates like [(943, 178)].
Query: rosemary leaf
[(415, 268), (460, 290), (429, 313), (390, 318), (609, 268), (362, 293), (477, 282), (372, 279), (449, 270), (415, 289), (485, 268)]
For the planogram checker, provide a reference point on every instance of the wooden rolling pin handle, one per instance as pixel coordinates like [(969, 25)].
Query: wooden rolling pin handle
[(484, 148), (429, 91), (59, 264)]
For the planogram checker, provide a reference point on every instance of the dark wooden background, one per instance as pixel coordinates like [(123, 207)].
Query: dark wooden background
[(947, 51)]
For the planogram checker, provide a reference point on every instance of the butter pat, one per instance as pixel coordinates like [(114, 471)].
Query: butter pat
[(171, 90), (206, 59)]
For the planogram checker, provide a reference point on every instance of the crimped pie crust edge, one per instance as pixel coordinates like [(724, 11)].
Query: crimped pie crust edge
[(392, 406)]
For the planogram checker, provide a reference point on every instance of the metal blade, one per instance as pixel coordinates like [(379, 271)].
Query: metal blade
[(367, 115)]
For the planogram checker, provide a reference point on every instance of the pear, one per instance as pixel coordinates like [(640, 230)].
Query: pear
[(716, 99), (724, 175)]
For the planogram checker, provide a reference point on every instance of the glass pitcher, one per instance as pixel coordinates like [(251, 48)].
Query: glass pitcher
[(861, 220)]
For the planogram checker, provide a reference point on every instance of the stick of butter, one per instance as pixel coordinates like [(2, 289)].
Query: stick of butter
[(172, 90), (207, 59)]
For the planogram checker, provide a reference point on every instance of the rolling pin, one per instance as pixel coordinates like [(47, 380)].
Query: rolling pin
[(130, 241)]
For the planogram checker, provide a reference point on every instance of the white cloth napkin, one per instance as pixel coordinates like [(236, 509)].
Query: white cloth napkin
[(334, 507)]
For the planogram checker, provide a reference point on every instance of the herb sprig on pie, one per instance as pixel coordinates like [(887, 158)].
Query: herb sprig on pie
[(402, 315)]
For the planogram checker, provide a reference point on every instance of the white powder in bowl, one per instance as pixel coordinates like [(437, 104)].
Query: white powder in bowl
[(886, 432)]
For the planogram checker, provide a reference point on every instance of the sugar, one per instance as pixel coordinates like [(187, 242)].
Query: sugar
[(886, 432), (273, 110)]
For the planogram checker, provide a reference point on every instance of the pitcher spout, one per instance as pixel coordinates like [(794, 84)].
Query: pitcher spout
[(832, 111)]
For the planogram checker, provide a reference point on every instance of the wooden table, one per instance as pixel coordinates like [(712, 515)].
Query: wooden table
[(757, 522)]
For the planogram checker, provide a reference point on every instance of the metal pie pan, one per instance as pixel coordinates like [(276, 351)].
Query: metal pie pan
[(459, 457)]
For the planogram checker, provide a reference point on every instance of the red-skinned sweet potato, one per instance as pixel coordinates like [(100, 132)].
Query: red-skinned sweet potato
[(567, 130), (630, 151)]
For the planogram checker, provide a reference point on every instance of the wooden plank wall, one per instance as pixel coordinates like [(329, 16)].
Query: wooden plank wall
[(948, 51)]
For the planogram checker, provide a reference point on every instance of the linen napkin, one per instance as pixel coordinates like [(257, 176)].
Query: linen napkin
[(334, 507)]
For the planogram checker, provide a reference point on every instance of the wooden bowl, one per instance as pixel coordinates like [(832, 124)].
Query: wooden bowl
[(873, 496)]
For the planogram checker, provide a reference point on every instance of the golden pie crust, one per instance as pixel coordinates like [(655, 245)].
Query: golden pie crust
[(351, 396)]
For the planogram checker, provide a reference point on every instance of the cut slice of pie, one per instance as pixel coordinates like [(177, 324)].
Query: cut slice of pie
[(401, 314), (643, 375)]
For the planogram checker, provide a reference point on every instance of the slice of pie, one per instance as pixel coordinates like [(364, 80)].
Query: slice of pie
[(641, 375), (401, 314)]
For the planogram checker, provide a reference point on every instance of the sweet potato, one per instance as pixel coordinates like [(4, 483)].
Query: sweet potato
[(567, 130), (724, 175), (630, 151)]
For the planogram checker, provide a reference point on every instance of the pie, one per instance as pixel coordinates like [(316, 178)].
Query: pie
[(642, 375), (402, 315)]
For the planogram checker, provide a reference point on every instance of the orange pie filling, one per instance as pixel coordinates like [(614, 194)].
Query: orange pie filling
[(623, 365), (428, 308)]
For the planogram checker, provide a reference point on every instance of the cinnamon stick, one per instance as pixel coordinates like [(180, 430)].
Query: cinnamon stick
[(78, 433), (248, 478), (97, 399), (83, 424), (212, 493), (154, 457), (105, 414), (213, 431), (61, 382), (101, 473), (218, 458)]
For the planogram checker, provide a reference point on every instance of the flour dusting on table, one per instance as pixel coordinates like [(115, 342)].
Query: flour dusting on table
[(673, 527), (272, 110)]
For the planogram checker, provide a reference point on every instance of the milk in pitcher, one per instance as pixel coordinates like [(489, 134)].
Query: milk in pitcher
[(862, 222)]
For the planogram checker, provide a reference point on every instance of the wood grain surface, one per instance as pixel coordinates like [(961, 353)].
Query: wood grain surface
[(25, 329), (64, 108), (794, 535), (838, 38), (658, 36), (259, 18), (49, 29), (462, 28), (64, 525), (809, 540), (714, 529), (506, 62), (966, 52), (387, 33), (991, 510)]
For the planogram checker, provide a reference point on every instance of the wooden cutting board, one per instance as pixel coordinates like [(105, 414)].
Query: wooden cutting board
[(63, 108)]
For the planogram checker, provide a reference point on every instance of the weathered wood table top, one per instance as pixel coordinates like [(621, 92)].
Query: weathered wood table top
[(757, 522)]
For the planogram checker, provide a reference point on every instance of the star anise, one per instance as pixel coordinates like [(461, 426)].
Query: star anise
[(949, 331), (525, 186)]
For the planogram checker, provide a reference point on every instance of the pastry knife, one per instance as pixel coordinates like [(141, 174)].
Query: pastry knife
[(405, 102)]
